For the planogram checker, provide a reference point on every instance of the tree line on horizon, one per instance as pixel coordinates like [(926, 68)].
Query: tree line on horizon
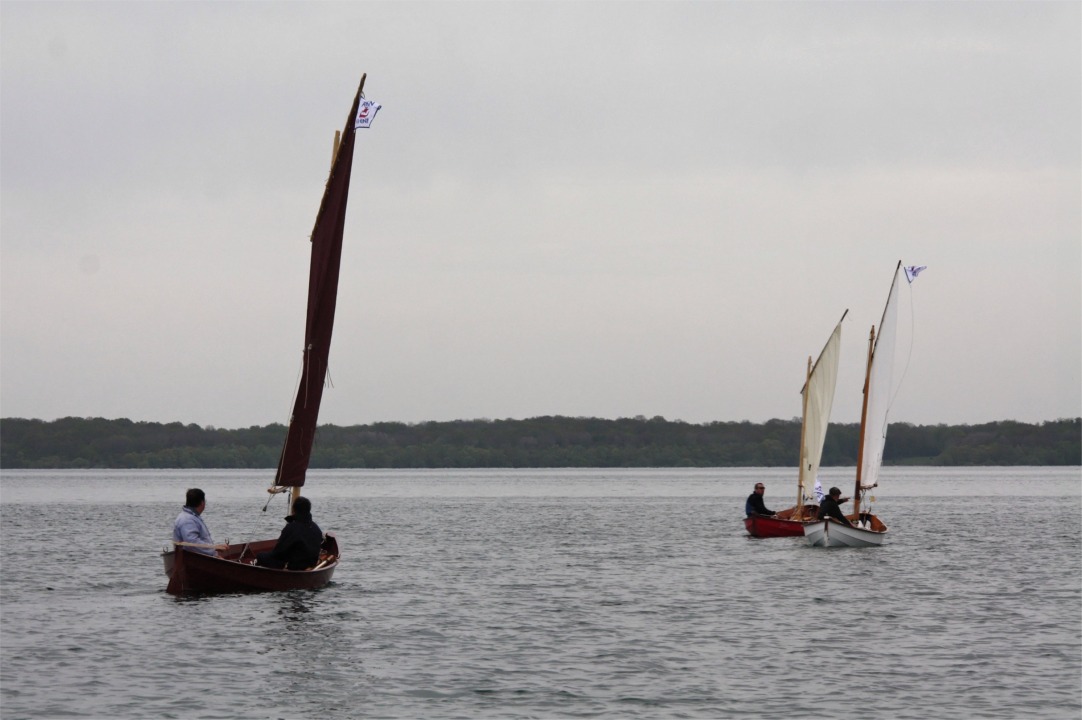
[(551, 441)]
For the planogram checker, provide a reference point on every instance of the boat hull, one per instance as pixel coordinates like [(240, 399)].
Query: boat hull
[(831, 533), (786, 523), (234, 570)]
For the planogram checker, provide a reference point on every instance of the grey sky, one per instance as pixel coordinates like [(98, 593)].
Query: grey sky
[(603, 209)]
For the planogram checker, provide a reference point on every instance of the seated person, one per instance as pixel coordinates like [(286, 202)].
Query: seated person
[(189, 527), (298, 545), (830, 507), (755, 504)]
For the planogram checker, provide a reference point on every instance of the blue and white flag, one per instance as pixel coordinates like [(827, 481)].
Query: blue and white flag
[(911, 271), (366, 113)]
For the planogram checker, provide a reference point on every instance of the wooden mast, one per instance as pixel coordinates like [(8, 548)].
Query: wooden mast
[(295, 491), (803, 446), (863, 421), (324, 267)]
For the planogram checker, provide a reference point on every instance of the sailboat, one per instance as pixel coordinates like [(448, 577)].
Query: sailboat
[(233, 569), (818, 394), (867, 529)]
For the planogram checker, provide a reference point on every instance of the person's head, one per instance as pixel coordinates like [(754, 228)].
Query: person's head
[(302, 506), (194, 498), (835, 493), (760, 488)]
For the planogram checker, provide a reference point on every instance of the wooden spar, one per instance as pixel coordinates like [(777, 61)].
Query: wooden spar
[(803, 446), (322, 290), (338, 133), (179, 543), (296, 491), (863, 421)]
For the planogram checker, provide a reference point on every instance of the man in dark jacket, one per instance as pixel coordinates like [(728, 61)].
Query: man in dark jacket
[(298, 545), (830, 507), (755, 504)]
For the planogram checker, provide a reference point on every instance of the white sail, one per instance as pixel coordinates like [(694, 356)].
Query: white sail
[(818, 398), (880, 375)]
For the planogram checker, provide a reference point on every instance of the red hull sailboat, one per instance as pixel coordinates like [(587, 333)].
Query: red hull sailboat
[(786, 523), (818, 397), (233, 569)]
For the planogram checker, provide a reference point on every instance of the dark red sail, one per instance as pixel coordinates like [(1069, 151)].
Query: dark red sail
[(322, 296)]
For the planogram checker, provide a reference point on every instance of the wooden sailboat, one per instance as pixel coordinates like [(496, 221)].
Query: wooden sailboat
[(868, 530), (233, 569), (818, 397)]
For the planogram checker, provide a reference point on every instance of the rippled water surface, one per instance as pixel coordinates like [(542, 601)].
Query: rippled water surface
[(549, 594)]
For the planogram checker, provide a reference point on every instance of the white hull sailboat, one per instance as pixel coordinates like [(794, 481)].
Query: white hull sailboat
[(867, 529), (831, 533)]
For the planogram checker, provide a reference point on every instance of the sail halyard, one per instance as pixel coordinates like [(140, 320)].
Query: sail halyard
[(323, 275)]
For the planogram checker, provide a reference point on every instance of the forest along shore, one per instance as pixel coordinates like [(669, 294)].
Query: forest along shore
[(541, 442)]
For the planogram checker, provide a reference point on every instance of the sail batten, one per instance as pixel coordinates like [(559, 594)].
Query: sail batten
[(326, 258)]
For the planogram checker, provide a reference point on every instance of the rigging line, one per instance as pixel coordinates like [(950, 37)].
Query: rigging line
[(296, 387), (267, 504)]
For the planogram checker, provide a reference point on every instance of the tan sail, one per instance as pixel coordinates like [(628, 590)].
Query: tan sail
[(818, 393)]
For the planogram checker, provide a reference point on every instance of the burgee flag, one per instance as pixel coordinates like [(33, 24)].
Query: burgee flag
[(366, 113), (911, 271)]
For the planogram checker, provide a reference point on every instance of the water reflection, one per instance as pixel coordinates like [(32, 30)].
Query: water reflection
[(296, 604)]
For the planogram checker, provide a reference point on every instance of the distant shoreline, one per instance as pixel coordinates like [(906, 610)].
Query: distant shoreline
[(542, 442)]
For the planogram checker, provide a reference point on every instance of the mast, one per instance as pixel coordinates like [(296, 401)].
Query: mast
[(323, 272), (803, 444), (877, 393), (863, 421)]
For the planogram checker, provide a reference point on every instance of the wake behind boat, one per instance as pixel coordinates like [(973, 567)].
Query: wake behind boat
[(233, 569), (867, 529), (818, 395)]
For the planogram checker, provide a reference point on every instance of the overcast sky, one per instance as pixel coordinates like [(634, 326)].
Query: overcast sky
[(587, 209)]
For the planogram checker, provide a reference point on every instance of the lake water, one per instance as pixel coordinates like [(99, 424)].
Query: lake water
[(549, 594)]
